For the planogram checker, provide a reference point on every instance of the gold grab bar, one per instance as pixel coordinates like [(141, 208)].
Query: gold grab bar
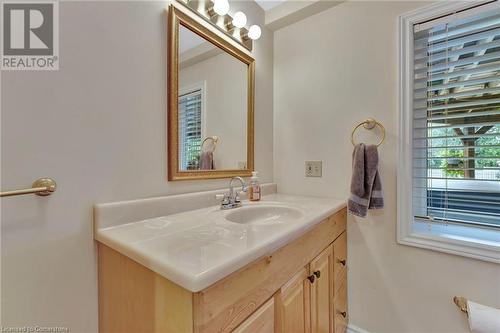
[(369, 124), (41, 187)]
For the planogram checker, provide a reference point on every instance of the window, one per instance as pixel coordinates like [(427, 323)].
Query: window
[(450, 153), (191, 102)]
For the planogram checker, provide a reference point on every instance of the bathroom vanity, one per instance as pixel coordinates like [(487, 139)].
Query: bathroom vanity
[(181, 263), (278, 265)]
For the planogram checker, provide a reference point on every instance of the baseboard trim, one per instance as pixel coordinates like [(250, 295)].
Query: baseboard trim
[(355, 329)]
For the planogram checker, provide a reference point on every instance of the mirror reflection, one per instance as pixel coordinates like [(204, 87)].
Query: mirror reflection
[(212, 106)]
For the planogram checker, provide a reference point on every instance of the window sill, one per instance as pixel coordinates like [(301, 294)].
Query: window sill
[(473, 242)]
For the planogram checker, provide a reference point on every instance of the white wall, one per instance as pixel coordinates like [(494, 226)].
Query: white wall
[(97, 126), (333, 70), (226, 104)]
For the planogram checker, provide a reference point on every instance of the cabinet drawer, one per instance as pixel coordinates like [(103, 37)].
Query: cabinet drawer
[(339, 260), (340, 314), (261, 321), (339, 221)]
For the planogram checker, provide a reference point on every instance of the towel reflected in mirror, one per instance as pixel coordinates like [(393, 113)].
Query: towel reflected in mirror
[(207, 161)]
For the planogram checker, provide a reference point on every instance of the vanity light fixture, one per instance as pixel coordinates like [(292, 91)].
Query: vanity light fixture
[(254, 32), (239, 19), (221, 7), (216, 12)]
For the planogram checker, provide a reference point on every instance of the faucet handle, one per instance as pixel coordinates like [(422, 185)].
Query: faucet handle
[(224, 197)]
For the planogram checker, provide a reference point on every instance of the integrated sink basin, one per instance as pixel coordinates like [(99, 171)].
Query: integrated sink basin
[(264, 214)]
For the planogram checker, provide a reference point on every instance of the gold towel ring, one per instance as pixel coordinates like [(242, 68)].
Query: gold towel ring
[(369, 124), (215, 140)]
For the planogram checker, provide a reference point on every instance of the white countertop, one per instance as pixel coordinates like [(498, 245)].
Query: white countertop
[(197, 248)]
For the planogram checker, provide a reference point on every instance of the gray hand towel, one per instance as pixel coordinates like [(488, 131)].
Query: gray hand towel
[(366, 188)]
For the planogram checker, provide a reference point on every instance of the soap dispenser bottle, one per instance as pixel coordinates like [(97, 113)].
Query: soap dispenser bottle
[(254, 189)]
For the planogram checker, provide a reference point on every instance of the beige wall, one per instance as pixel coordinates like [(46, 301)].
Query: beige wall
[(226, 87), (97, 126), (333, 70)]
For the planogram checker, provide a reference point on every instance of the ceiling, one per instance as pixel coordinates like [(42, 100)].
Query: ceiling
[(268, 4)]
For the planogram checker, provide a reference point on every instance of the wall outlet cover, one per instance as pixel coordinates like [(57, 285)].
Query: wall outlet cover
[(314, 168), (242, 165)]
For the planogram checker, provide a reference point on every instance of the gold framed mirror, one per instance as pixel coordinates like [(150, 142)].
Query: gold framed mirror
[(210, 101)]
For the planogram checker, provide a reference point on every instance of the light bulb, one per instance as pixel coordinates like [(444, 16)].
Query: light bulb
[(239, 19), (254, 32), (221, 7)]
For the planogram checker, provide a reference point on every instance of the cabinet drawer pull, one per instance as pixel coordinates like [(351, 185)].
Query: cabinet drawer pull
[(318, 274), (311, 278), (343, 314), (342, 262)]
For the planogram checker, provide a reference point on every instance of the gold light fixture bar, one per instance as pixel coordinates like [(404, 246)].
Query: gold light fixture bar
[(205, 9)]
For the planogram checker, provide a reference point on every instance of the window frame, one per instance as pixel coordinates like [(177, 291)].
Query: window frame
[(202, 86), (469, 241)]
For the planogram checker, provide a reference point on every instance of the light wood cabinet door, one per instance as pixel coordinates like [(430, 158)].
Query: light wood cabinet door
[(322, 292), (340, 261), (340, 309), (340, 314), (293, 305), (261, 321)]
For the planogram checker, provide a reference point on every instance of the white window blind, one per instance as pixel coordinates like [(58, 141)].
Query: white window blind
[(456, 119), (190, 125)]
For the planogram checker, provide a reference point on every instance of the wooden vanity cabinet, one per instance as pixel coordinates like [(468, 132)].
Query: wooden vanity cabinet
[(300, 288), (315, 299)]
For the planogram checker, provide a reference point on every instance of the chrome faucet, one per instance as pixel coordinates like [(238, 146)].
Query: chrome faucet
[(231, 199)]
